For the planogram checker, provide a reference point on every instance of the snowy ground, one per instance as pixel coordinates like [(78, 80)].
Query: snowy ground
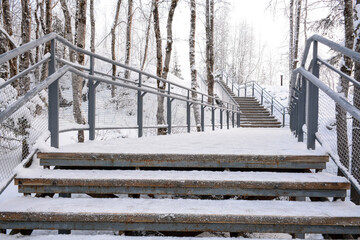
[(259, 141)]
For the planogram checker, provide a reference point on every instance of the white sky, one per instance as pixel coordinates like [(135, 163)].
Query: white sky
[(269, 27)]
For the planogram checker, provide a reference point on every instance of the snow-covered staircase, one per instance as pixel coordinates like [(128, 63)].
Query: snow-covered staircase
[(253, 114), (230, 179)]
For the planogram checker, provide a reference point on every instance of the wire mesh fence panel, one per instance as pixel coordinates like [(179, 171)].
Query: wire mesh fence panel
[(20, 131)]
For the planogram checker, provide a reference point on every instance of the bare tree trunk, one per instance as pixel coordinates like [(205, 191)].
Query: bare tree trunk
[(355, 169), (78, 81), (147, 37), (128, 37), (48, 29), (291, 48), (24, 82), (209, 14), (194, 84), (169, 39), (8, 27), (347, 64), (113, 40), (296, 35), (161, 86), (92, 20), (37, 36), (68, 30)]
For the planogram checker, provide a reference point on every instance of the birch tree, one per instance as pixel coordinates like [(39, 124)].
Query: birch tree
[(128, 37), (356, 124), (7, 20), (24, 61), (209, 15), (194, 84), (113, 41), (77, 82), (163, 70), (92, 21), (47, 30), (147, 35), (343, 89)]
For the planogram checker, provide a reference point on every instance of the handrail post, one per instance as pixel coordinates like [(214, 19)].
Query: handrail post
[(92, 102), (301, 110), (312, 102), (140, 108), (227, 116), (262, 96), (238, 91), (202, 114), (213, 114), (188, 121), (238, 117), (253, 87), (283, 117), (221, 118), (233, 116), (272, 105), (53, 95), (245, 86), (168, 112)]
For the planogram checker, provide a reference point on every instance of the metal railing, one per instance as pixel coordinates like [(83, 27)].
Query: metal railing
[(24, 119), (253, 89), (331, 118)]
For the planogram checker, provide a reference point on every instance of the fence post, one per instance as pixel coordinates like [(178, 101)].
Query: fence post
[(140, 108), (253, 87), (213, 114), (227, 116), (53, 95), (233, 116), (301, 110), (283, 117), (92, 102), (202, 114), (221, 118), (188, 122), (312, 102), (168, 112)]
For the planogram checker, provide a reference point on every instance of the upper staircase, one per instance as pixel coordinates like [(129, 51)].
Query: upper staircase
[(253, 114)]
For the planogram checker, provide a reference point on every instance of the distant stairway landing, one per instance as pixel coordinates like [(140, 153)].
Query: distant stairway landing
[(255, 115)]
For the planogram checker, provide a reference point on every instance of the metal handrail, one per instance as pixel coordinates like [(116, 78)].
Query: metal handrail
[(94, 81), (305, 85)]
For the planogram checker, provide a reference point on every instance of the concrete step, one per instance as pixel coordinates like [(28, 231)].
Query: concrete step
[(180, 215)]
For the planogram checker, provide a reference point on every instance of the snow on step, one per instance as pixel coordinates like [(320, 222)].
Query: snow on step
[(90, 175), (182, 182), (180, 215), (234, 141)]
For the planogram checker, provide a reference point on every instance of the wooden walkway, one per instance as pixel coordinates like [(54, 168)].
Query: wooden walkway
[(234, 192)]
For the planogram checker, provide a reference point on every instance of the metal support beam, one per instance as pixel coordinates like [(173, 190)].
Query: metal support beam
[(92, 101), (301, 110), (213, 115), (53, 118), (168, 112), (202, 114), (221, 119), (188, 121), (312, 102), (140, 97)]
